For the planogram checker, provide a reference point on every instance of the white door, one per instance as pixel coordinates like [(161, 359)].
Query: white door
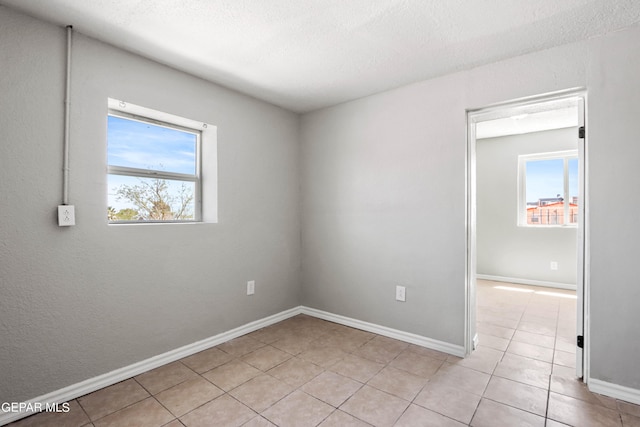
[(581, 243)]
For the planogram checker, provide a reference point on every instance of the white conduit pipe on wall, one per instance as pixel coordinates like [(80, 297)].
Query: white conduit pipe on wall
[(67, 102)]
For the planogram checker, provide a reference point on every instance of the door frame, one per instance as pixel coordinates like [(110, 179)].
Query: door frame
[(507, 109)]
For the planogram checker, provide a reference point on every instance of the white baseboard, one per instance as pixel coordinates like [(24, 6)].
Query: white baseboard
[(616, 391), (456, 350), (520, 281), (92, 384)]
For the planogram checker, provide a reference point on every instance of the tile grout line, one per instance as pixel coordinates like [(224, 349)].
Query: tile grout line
[(553, 359), (84, 410)]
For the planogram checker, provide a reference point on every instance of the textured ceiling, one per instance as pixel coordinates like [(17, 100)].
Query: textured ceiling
[(308, 54)]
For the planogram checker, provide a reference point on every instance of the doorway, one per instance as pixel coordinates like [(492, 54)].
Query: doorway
[(562, 213)]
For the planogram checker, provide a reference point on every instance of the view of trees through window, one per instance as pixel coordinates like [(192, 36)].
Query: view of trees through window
[(152, 171), (152, 200)]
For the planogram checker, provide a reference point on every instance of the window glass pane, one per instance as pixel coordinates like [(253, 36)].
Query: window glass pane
[(149, 199), (544, 191), (147, 146), (573, 191)]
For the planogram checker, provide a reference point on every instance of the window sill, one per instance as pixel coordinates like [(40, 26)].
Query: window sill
[(119, 223), (548, 226)]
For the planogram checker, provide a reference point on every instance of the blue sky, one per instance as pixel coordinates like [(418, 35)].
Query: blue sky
[(146, 146), (545, 179)]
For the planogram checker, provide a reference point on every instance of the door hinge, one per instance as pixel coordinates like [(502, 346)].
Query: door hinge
[(580, 341), (581, 132)]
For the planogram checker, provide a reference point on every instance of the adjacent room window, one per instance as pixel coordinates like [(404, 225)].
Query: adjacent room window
[(548, 189), (154, 166)]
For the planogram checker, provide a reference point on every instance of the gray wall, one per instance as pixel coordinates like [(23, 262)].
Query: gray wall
[(613, 111), (383, 185), (384, 205), (503, 248), (383, 196), (82, 301)]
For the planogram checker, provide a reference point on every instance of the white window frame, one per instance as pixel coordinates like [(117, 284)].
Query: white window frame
[(205, 177), (565, 155)]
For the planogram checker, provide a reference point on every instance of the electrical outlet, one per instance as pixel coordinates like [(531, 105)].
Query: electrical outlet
[(251, 287), (554, 265), (401, 293), (66, 215)]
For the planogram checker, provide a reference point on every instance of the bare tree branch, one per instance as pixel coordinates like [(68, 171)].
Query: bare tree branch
[(153, 200)]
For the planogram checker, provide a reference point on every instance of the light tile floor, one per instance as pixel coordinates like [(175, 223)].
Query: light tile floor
[(309, 372)]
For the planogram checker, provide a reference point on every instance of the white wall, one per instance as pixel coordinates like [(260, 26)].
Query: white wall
[(503, 248), (82, 301), (383, 196)]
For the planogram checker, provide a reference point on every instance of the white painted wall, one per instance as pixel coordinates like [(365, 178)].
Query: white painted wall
[(383, 196), (82, 301), (504, 249)]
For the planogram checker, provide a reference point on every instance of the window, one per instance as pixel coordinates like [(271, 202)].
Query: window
[(548, 189), (154, 166)]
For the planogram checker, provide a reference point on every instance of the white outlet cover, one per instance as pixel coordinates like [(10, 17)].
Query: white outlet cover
[(66, 215), (554, 265), (401, 293), (251, 287)]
